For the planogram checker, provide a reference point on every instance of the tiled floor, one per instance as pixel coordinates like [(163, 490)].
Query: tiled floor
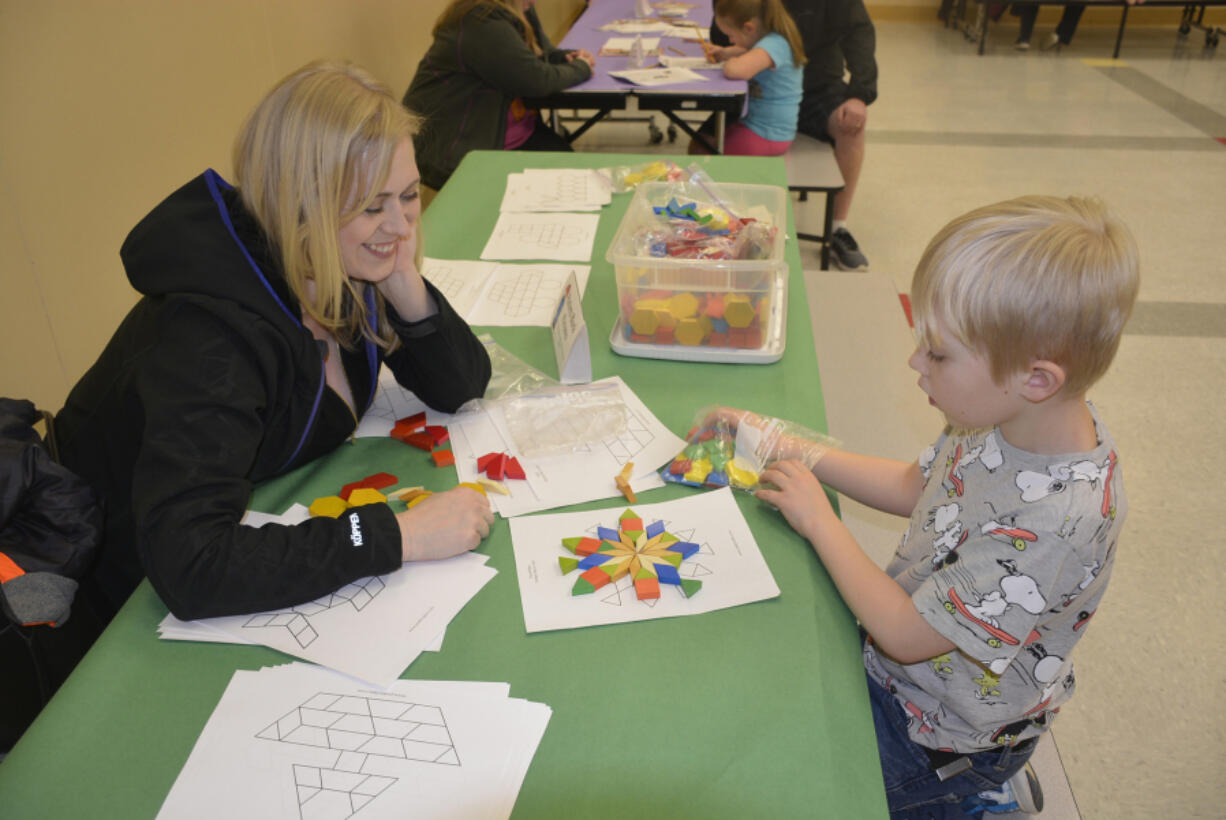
[(1146, 734)]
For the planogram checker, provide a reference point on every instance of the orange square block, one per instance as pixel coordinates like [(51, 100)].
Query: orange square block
[(443, 458), (647, 588)]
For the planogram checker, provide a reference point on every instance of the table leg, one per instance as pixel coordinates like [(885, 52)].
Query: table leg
[(1119, 37), (595, 118), (702, 138), (719, 132), (828, 230)]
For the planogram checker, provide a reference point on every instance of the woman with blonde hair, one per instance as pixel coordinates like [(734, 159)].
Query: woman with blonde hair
[(486, 58), (266, 313)]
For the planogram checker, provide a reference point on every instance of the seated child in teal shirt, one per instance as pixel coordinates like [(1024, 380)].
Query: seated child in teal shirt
[(766, 50)]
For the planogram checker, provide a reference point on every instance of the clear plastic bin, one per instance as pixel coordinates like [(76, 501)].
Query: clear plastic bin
[(719, 310)]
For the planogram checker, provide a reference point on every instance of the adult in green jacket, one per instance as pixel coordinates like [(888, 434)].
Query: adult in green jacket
[(487, 56)]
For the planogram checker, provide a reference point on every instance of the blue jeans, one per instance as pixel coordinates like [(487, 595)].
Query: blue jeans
[(911, 786)]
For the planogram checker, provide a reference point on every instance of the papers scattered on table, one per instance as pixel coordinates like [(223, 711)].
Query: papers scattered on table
[(692, 63), (561, 236), (297, 741), (556, 189), (635, 27), (728, 562), (492, 293), (586, 474), (372, 629), (624, 46), (648, 77)]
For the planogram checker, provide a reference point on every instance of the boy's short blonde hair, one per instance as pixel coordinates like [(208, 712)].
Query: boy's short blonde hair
[(308, 159), (1038, 277)]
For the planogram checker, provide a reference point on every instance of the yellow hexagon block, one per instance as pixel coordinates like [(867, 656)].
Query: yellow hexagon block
[(699, 470), (329, 505), (739, 474), (738, 310), (689, 332), (366, 495), (414, 500), (683, 305), (645, 318)]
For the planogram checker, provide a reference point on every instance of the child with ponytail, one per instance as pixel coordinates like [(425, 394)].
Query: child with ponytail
[(766, 50)]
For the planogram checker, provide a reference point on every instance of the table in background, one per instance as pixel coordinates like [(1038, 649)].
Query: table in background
[(1192, 16), (605, 94), (758, 710)]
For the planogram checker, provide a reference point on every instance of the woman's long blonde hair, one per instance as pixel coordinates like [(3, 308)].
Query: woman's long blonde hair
[(310, 157), (459, 8), (774, 18)]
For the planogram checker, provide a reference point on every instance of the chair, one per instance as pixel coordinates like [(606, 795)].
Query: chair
[(812, 169)]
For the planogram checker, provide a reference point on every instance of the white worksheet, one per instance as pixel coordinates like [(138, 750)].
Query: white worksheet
[(635, 26), (727, 561), (650, 77), (564, 237), (571, 478), (297, 741), (556, 189), (523, 294), (374, 628), (622, 46), (173, 629), (692, 63)]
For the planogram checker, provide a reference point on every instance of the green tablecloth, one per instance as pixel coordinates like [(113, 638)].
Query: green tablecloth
[(760, 710)]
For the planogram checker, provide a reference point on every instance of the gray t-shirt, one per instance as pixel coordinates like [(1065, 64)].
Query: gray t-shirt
[(1008, 554)]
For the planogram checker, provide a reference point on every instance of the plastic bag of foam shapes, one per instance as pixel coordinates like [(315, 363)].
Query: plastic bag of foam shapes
[(727, 447)]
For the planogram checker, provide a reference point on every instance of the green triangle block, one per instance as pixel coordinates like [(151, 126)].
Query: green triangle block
[(633, 535), (629, 513), (609, 548), (644, 573), (571, 543), (689, 586), (568, 564), (673, 558), (668, 538), (582, 587), (611, 568)]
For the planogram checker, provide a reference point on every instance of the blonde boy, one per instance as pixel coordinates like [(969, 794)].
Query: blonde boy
[(1015, 510)]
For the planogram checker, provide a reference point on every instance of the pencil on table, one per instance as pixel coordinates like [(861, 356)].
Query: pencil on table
[(676, 50)]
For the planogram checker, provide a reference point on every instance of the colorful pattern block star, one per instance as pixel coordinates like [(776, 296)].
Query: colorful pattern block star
[(649, 555)]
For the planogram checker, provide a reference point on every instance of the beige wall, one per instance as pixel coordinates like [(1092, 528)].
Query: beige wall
[(109, 105)]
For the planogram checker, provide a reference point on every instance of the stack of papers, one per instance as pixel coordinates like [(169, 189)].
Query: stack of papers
[(725, 558), (563, 237), (624, 46), (586, 474), (348, 630), (556, 189), (647, 26), (692, 63), (501, 294), (297, 741), (658, 76)]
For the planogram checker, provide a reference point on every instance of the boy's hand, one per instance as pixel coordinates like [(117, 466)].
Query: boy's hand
[(800, 496)]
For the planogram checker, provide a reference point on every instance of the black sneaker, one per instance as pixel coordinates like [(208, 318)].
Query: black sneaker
[(846, 252)]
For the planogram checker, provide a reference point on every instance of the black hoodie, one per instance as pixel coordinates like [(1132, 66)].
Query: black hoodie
[(211, 384)]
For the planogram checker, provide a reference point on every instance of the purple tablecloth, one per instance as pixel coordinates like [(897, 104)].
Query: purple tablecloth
[(586, 33)]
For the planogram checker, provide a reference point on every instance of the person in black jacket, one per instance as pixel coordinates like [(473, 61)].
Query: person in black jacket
[(840, 42), (266, 313), (487, 56)]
